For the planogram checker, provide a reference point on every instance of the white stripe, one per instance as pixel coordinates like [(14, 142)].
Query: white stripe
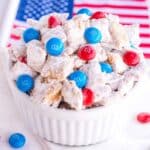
[(117, 11), (20, 23), (116, 2), (145, 30), (145, 50), (144, 40), (134, 20)]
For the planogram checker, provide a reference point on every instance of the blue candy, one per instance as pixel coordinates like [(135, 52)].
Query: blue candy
[(79, 77), (31, 34), (105, 67), (85, 11), (17, 140), (54, 46), (25, 83), (92, 35)]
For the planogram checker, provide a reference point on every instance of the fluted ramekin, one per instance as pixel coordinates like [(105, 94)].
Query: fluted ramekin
[(69, 127)]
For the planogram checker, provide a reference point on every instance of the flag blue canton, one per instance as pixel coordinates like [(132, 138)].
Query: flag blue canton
[(36, 8)]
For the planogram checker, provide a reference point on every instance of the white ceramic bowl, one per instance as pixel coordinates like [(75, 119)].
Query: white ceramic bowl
[(68, 127)]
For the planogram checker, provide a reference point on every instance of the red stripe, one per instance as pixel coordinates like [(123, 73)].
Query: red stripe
[(145, 45), (141, 25), (110, 6), (145, 25), (18, 26), (145, 35), (15, 37), (133, 16), (147, 55)]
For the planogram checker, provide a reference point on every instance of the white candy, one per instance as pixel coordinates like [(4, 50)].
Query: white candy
[(133, 34), (94, 73), (101, 92), (57, 67), (117, 62), (72, 94), (119, 35), (36, 57), (112, 18), (126, 85), (101, 54), (47, 93), (75, 32), (53, 32), (77, 62), (21, 68), (103, 26), (17, 50)]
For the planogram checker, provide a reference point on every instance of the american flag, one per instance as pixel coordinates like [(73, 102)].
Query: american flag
[(129, 11)]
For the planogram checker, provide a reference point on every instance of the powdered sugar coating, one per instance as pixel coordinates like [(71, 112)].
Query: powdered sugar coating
[(52, 85)]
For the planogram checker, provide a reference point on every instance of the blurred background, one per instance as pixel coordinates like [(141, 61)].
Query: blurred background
[(13, 14)]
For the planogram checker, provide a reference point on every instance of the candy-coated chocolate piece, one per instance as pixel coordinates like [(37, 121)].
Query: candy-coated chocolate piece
[(85, 11), (92, 35), (131, 58), (25, 83), (88, 97), (79, 77), (31, 34), (17, 140), (54, 46), (86, 52)]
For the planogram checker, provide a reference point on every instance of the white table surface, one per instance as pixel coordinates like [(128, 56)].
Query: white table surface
[(135, 137)]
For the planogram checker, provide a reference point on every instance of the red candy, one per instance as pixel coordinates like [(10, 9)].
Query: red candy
[(143, 117), (23, 59), (88, 97), (87, 52), (98, 15), (131, 58), (53, 22)]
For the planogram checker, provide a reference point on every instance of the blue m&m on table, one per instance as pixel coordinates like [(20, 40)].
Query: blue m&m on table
[(25, 83), (55, 46), (106, 67), (31, 34), (85, 11), (17, 140), (79, 77), (92, 35)]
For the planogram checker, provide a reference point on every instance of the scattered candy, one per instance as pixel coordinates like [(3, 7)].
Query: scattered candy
[(105, 67), (23, 59), (25, 83), (88, 97), (31, 34), (143, 117), (54, 46), (85, 11), (98, 15), (86, 53), (17, 140), (92, 35), (53, 22), (131, 58), (79, 77)]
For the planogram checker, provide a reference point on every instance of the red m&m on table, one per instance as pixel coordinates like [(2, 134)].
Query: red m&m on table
[(143, 117)]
